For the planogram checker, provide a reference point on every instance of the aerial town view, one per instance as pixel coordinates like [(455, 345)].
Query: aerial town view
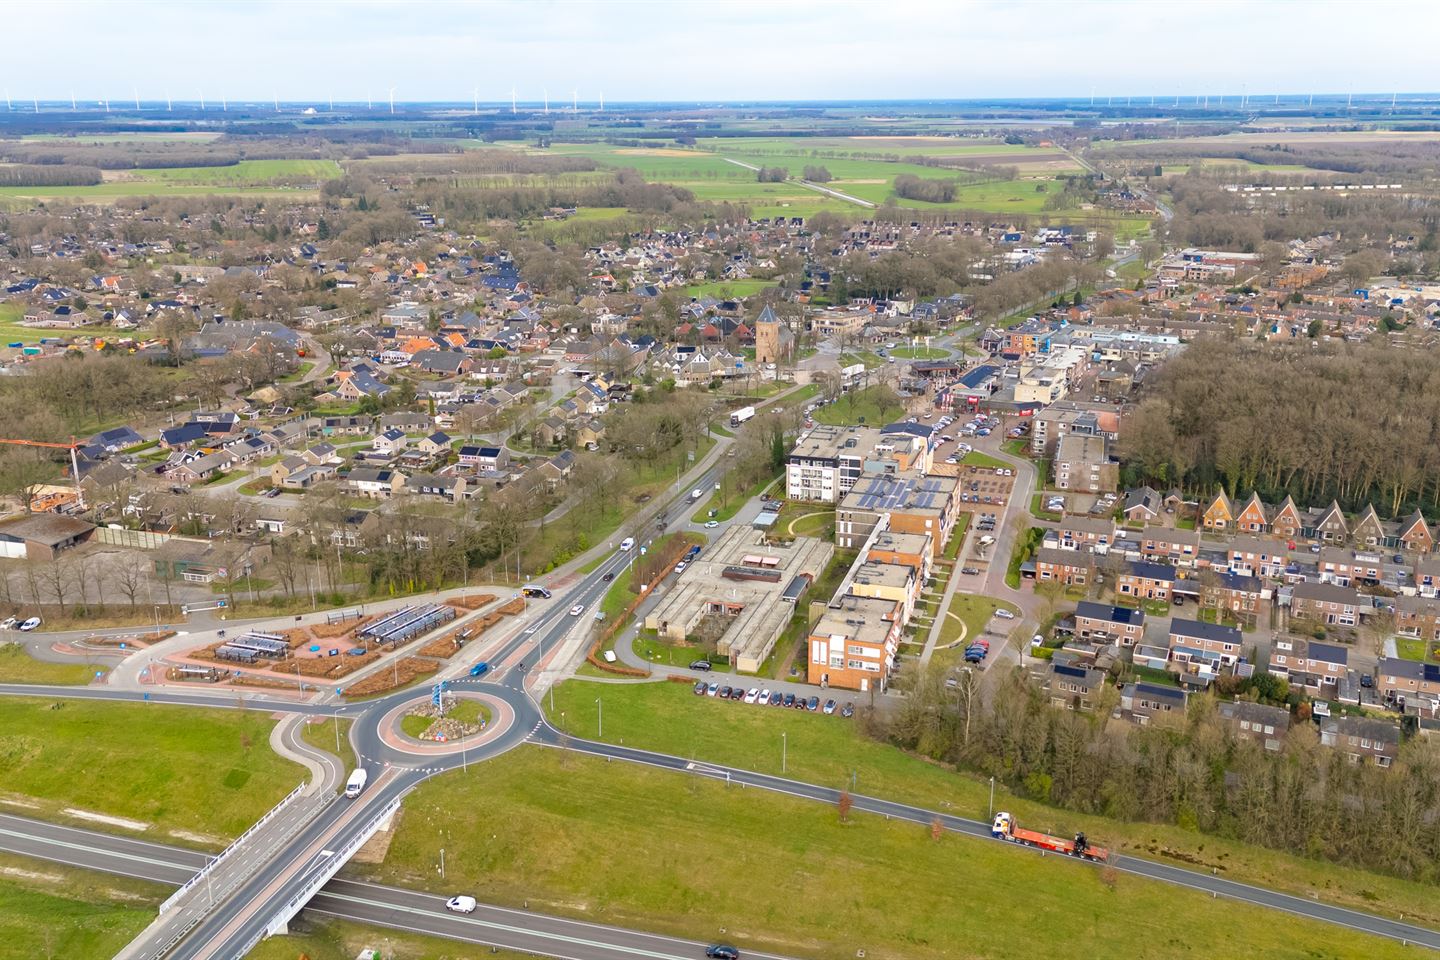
[(666, 481)]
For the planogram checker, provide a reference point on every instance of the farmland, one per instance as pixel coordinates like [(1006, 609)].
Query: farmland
[(245, 177)]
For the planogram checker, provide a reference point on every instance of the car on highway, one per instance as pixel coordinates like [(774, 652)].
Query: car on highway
[(1004, 614), (9, 623), (751, 695), (812, 704), (608, 577), (576, 610), (31, 624), (848, 710), (627, 543), (829, 707), (480, 669), (700, 686), (700, 664), (711, 524), (722, 951), (460, 904)]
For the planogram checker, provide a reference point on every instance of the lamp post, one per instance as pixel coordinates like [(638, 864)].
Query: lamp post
[(992, 797), (599, 720), (782, 751)]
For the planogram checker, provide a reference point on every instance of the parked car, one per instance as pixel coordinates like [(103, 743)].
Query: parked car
[(1366, 680), (764, 697), (829, 707), (789, 700), (711, 524), (31, 624), (738, 693), (700, 688), (972, 655), (9, 623), (970, 571), (713, 690), (848, 710), (1004, 614), (777, 699), (725, 692), (752, 695), (812, 704)]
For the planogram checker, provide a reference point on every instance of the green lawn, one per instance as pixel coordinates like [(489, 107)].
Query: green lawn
[(210, 773), (975, 612), (727, 502), (627, 845), (919, 353), (1410, 648), (975, 458), (48, 910), (321, 733), (826, 750), (858, 404), (247, 177), (724, 288), (1037, 508), (17, 666)]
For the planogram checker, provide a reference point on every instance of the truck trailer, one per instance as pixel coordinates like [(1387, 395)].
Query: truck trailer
[(1004, 828), (741, 415)]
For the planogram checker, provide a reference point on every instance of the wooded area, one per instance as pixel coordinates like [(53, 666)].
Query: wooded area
[(1358, 424), (1305, 798)]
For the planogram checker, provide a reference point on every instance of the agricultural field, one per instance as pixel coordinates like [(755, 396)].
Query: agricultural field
[(245, 177)]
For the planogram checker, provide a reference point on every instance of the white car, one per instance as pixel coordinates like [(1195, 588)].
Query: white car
[(576, 610), (1004, 614), (752, 695), (9, 623), (30, 624), (680, 567), (764, 696), (460, 904), (711, 524)]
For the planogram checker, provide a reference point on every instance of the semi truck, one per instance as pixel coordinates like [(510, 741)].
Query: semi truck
[(741, 415), (1004, 828)]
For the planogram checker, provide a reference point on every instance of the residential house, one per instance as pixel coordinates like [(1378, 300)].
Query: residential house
[(1318, 667), (1253, 557), (1142, 505), (391, 442), (1146, 580), (1144, 703), (1207, 649), (1260, 722), (1180, 547), (556, 470), (1362, 739), (1327, 603), (200, 469), (375, 482), (1085, 533), (1073, 687), (448, 488), (1219, 513), (1070, 567), (484, 458), (1415, 534), (1414, 684), (1102, 622), (437, 443)]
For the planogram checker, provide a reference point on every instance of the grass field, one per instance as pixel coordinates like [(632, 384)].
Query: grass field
[(976, 458), (727, 288), (624, 844), (325, 938), (975, 612), (920, 353), (48, 910), (17, 666), (1410, 648), (851, 407), (321, 733), (194, 775), (826, 750), (247, 176)]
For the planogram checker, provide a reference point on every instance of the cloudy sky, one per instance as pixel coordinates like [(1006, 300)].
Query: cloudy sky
[(711, 50)]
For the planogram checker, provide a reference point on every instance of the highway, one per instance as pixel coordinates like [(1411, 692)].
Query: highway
[(513, 929)]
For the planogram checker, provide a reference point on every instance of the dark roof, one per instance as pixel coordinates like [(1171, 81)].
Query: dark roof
[(1152, 571), (1103, 611), (1204, 631)]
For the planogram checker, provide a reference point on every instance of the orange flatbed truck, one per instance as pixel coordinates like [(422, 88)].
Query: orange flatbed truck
[(1004, 828)]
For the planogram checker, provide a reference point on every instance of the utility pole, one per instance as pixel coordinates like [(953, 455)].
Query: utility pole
[(992, 797), (782, 751), (599, 720)]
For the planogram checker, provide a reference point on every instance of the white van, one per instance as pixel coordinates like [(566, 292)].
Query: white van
[(356, 783), (627, 543)]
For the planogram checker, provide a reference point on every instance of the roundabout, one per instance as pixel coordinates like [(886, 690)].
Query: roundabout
[(500, 719)]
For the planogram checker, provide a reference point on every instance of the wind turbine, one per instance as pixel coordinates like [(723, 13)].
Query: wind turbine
[(602, 101), (224, 104), (512, 100), (369, 103), (136, 91), (276, 95), (574, 101), (475, 100), (72, 101), (392, 101), (546, 93), (332, 103), (35, 102), (169, 106), (202, 101), (1392, 102)]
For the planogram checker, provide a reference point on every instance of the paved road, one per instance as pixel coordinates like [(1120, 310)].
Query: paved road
[(521, 930)]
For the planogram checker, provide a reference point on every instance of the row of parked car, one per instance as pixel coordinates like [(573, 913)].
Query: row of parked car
[(15, 623), (771, 698)]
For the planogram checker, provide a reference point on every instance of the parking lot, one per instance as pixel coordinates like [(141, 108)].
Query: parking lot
[(764, 696)]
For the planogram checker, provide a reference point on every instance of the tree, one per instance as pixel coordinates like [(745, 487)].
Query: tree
[(817, 174), (844, 804)]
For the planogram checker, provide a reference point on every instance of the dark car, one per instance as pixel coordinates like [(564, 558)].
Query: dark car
[(789, 699), (724, 693), (848, 710), (721, 951), (974, 655), (777, 698), (1178, 601), (970, 571), (738, 693), (700, 688), (1366, 680), (608, 577), (700, 665), (812, 704), (480, 669)]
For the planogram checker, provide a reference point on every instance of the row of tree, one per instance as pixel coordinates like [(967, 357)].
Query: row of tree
[(1193, 772)]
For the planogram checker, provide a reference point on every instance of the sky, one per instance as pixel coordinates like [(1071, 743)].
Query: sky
[(710, 50)]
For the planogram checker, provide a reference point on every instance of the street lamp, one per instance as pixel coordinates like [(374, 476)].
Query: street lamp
[(599, 720), (782, 751), (992, 797)]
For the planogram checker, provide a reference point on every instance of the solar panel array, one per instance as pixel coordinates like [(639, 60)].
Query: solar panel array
[(408, 622), (252, 646)]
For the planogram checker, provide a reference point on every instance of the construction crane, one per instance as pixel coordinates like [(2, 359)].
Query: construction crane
[(72, 446)]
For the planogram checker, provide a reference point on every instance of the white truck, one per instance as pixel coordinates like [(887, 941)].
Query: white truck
[(356, 783), (696, 494), (741, 415)]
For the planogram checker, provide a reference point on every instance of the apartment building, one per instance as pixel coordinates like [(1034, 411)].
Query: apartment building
[(1083, 463), (828, 461), (913, 504), (853, 644), (907, 549)]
